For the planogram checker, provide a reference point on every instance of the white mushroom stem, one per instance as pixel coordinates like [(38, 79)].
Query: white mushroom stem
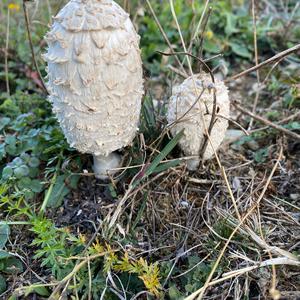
[(104, 165)]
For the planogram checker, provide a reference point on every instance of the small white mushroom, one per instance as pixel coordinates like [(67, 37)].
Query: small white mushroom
[(95, 78), (185, 112)]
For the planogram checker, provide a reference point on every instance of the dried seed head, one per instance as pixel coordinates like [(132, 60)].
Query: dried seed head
[(95, 75), (185, 112)]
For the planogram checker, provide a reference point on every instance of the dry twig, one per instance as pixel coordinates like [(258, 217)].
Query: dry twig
[(267, 122), (201, 291), (266, 62), (31, 46)]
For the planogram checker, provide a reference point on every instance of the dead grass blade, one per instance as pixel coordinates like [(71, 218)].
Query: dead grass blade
[(201, 291)]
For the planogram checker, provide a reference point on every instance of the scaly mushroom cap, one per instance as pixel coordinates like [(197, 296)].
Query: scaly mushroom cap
[(95, 75), (190, 119)]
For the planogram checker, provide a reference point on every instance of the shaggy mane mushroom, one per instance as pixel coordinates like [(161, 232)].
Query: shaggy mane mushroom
[(186, 113), (95, 78)]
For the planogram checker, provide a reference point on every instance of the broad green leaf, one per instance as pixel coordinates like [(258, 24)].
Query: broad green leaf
[(58, 193), (167, 165), (240, 50), (40, 290), (27, 183), (4, 234), (3, 122), (12, 265), (2, 284), (212, 46), (167, 149), (4, 254), (7, 173), (36, 186), (230, 24)]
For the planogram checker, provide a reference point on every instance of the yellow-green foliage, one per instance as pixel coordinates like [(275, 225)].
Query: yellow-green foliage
[(148, 273)]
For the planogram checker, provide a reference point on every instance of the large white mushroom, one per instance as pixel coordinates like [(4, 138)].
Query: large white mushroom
[(95, 78), (188, 114)]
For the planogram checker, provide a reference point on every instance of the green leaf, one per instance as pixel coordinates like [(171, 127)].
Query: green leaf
[(4, 254), (293, 126), (58, 192), (167, 165), (40, 290), (2, 284), (112, 191), (174, 293), (148, 113), (12, 265), (24, 183), (140, 212), (34, 162), (240, 49), (261, 155), (2, 151), (3, 122), (231, 24), (10, 140), (7, 173), (167, 149), (21, 172), (36, 186), (211, 46), (4, 234)]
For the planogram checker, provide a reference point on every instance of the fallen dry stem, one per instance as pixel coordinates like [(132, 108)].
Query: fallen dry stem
[(201, 291), (165, 36), (31, 46), (266, 62), (278, 261), (265, 121), (256, 62), (287, 119), (6, 54)]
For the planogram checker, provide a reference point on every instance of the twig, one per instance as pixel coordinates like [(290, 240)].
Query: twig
[(178, 72), (256, 62), (266, 62), (6, 53), (255, 38), (31, 46), (201, 291), (165, 36), (184, 75), (267, 122), (180, 34), (198, 27), (289, 118), (200, 53), (229, 275)]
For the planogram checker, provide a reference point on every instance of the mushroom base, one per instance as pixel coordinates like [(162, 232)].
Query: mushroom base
[(103, 165), (193, 164)]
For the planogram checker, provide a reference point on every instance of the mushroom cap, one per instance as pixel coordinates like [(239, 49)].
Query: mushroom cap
[(185, 112), (95, 75)]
